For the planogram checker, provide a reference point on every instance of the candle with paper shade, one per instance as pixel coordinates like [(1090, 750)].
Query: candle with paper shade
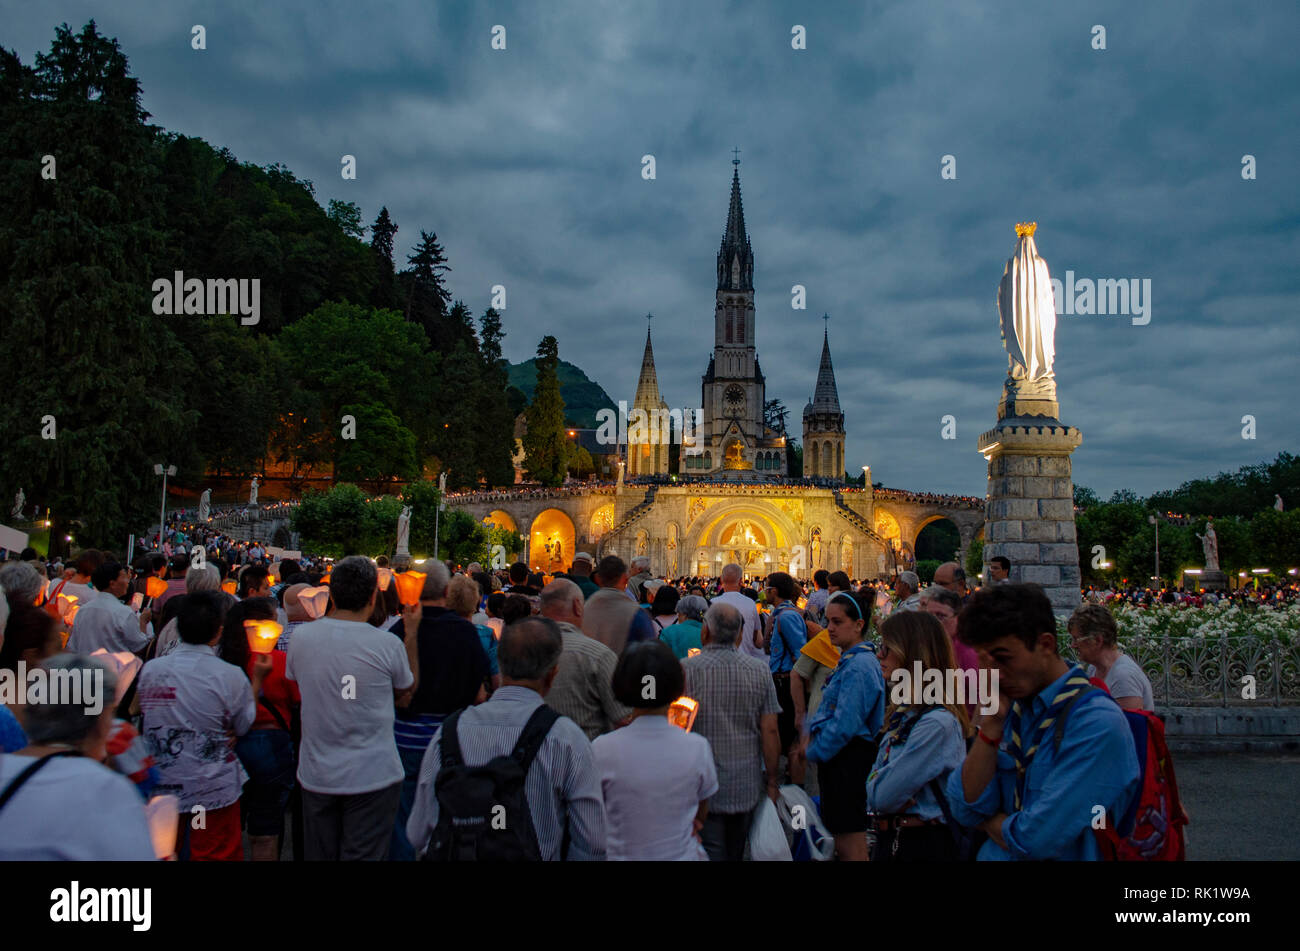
[(385, 578), (315, 601), (409, 585), (229, 587), (262, 635), (155, 587), (162, 813), (682, 712), (692, 651), (67, 604)]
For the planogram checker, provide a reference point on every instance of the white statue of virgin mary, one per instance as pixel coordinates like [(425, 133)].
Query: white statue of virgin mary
[(1028, 312)]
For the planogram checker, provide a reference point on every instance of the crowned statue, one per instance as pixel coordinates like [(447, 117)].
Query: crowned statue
[(1210, 545), (1027, 310), (404, 531)]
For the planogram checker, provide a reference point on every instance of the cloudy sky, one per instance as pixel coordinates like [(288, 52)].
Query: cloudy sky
[(527, 163)]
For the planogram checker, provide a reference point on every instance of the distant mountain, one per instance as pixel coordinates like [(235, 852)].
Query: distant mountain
[(582, 396)]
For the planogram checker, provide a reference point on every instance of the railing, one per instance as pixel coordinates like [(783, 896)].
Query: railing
[(857, 521), (633, 513), (1198, 671)]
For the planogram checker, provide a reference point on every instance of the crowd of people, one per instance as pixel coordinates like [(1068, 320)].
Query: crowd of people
[(331, 711)]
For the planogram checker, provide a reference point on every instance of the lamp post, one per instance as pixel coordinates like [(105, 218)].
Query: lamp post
[(1152, 520), (442, 487), (164, 471)]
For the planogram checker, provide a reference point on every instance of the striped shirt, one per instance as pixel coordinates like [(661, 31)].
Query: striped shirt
[(734, 692), (562, 786)]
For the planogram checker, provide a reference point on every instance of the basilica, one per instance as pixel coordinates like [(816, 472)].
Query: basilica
[(735, 442), (731, 499)]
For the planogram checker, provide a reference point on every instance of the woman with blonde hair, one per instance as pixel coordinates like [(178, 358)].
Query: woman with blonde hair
[(919, 746), (462, 597)]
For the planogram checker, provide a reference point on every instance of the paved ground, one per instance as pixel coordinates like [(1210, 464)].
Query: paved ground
[(1243, 805)]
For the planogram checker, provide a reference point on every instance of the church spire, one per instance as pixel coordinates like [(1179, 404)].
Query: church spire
[(826, 399), (735, 256), (647, 384)]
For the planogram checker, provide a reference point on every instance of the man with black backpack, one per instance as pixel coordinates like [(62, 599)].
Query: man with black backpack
[(1056, 764), (510, 779)]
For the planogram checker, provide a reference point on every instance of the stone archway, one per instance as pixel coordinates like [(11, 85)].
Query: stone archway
[(768, 524), (551, 540), (501, 519)]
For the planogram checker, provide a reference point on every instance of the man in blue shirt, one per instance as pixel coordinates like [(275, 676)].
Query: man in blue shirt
[(1035, 799), (789, 634)]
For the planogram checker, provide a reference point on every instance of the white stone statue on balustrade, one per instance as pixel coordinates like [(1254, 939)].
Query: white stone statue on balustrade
[(1027, 310), (252, 492), (205, 505), (20, 500)]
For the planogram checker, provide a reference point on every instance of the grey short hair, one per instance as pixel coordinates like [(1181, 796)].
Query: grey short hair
[(69, 722), (910, 579), (558, 595), (724, 623), (692, 607), (206, 578), (731, 572), (945, 596), (640, 563), (21, 581), (436, 579), (530, 648)]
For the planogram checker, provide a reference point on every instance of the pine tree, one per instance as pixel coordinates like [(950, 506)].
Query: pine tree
[(382, 233), (496, 421), (544, 443), (428, 298)]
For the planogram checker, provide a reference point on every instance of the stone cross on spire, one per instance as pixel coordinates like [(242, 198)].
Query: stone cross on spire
[(735, 156)]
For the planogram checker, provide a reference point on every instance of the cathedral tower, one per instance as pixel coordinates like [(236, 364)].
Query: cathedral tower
[(648, 455), (735, 437), (823, 424)]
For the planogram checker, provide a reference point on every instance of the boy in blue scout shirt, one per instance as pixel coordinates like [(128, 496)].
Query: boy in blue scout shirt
[(1035, 798)]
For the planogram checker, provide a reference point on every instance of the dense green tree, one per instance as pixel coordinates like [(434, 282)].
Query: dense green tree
[(342, 353), (78, 252), (382, 451), (545, 444), (347, 215)]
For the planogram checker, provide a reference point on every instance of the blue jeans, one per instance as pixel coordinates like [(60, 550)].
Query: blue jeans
[(402, 850), (267, 755)]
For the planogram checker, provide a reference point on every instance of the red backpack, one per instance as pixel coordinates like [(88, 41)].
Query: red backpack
[(1152, 828)]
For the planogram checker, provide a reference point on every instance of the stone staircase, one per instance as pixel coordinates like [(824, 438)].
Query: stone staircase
[(632, 515), (857, 521)]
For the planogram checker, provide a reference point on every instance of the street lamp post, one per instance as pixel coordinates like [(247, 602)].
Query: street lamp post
[(164, 471), (442, 487), (1151, 519)]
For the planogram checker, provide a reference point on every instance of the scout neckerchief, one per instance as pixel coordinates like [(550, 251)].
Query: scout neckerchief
[(1023, 757)]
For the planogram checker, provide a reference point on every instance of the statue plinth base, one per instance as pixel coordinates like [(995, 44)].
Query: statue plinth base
[(1211, 579), (253, 511), (1026, 399), (1029, 510), (402, 551)]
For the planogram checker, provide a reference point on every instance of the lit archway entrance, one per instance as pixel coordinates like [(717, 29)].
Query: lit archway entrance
[(550, 542), (501, 520)]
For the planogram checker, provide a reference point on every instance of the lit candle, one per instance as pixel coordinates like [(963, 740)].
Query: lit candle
[(262, 635), (409, 586), (155, 587), (162, 813), (682, 712), (314, 601)]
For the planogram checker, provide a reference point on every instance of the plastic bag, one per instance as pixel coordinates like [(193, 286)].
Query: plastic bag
[(767, 841), (812, 840)]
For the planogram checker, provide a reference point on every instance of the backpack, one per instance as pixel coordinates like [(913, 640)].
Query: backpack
[(1151, 829), (471, 825)]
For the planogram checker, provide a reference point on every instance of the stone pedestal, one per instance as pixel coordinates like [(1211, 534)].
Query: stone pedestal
[(1211, 580), (1029, 512)]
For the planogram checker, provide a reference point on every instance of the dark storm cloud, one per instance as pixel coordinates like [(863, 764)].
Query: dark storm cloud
[(527, 164)]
